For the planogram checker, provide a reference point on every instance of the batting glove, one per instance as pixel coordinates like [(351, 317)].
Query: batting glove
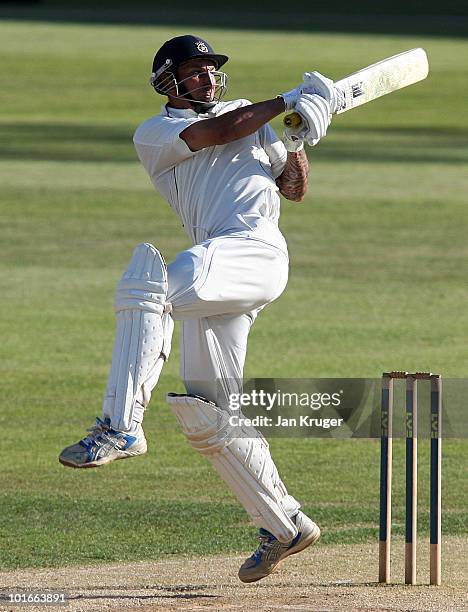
[(316, 116), (290, 97), (316, 83), (292, 141)]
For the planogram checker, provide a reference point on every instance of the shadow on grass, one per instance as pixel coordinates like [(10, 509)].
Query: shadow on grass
[(66, 142), (143, 597), (416, 18), (97, 143)]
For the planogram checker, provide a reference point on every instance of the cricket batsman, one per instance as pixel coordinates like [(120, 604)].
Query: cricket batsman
[(220, 166)]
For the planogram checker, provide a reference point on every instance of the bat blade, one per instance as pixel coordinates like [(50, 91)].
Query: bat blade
[(376, 80), (382, 78)]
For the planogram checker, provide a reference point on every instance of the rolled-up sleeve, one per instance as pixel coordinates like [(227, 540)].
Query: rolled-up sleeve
[(159, 145)]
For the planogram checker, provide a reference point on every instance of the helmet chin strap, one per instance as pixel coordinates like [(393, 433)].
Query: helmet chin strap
[(198, 107)]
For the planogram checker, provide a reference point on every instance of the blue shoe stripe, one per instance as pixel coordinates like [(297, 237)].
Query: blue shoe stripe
[(296, 540), (129, 441), (92, 451)]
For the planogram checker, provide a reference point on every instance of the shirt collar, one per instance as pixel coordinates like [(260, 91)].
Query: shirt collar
[(188, 113)]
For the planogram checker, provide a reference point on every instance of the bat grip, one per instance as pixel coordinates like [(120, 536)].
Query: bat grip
[(293, 120)]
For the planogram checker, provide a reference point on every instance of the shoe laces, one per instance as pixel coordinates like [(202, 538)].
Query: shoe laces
[(267, 543), (96, 429), (101, 434)]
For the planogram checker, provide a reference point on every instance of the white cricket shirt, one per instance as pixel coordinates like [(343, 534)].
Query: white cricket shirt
[(218, 190)]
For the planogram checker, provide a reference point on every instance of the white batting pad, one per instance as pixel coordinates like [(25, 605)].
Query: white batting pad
[(143, 337), (242, 458)]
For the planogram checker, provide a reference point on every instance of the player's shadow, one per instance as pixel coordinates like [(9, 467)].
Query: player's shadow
[(150, 592), (139, 597)]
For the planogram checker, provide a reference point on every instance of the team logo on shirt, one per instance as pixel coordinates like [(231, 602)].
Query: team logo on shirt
[(202, 47)]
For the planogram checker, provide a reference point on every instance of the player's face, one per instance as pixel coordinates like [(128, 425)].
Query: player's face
[(198, 79)]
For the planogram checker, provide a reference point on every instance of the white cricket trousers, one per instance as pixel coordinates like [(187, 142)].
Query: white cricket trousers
[(216, 289)]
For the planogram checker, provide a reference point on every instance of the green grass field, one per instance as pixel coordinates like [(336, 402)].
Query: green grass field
[(379, 261)]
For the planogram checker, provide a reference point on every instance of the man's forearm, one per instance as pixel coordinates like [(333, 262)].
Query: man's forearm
[(292, 182), (248, 119), (232, 125)]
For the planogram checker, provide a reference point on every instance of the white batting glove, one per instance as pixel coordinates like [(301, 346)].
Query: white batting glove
[(290, 97), (316, 83), (292, 141), (316, 117)]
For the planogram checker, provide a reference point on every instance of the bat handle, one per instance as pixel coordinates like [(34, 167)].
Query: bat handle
[(293, 120)]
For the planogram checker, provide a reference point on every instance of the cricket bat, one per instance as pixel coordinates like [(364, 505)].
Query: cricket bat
[(376, 80)]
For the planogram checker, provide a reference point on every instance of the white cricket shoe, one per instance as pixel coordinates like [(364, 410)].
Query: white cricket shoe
[(271, 552), (103, 445)]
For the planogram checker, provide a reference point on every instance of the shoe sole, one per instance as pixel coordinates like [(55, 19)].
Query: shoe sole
[(101, 462), (310, 539)]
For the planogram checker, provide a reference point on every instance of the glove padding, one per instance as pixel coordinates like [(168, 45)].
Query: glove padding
[(316, 83), (315, 113), (292, 96)]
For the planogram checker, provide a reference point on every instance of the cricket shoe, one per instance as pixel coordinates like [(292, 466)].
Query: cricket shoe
[(103, 445), (271, 552)]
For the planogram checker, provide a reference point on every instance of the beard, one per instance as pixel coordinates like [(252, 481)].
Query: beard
[(201, 106)]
